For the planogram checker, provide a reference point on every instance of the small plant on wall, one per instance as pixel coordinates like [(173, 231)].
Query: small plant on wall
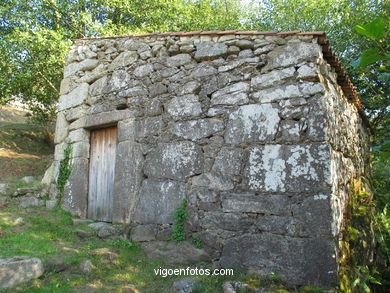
[(65, 170), (179, 218)]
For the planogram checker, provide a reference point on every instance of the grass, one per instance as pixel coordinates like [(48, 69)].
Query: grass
[(25, 149), (49, 234)]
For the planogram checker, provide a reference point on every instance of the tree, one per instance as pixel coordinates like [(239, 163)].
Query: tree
[(36, 34), (338, 19)]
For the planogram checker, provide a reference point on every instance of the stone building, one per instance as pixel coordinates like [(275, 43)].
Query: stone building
[(262, 132)]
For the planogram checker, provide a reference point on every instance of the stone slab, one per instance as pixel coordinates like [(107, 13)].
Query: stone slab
[(18, 270), (158, 200), (176, 160)]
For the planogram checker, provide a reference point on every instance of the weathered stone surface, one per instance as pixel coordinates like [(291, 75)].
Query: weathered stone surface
[(51, 204), (179, 60), (123, 59), (119, 79), (243, 44), (184, 106), (157, 89), (26, 202), (59, 151), (296, 112), (264, 49), (291, 54), (213, 181), (188, 88), (252, 123), (132, 92), (298, 260), (272, 78), (215, 111), (76, 189), (177, 160), (79, 135), (229, 161), (277, 93), (225, 221), (196, 129), (95, 74), (153, 108), (110, 231), (291, 130), (203, 70), (75, 98), (235, 94), (312, 88), (66, 86), (128, 169), (288, 168), (143, 70), (308, 71), (85, 65), (151, 126), (185, 285), (98, 87), (158, 201), (143, 233), (182, 252), (80, 149), (210, 50), (103, 119), (18, 270), (98, 225), (315, 216), (76, 113), (277, 204)]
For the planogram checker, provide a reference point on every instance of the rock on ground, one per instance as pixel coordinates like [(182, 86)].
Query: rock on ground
[(86, 266), (19, 269), (185, 285), (56, 265), (26, 202)]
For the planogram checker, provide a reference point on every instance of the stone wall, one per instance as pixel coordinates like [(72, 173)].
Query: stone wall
[(252, 129)]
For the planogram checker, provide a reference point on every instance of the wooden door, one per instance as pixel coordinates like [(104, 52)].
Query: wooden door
[(102, 174)]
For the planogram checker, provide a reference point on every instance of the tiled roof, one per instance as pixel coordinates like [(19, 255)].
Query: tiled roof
[(342, 76)]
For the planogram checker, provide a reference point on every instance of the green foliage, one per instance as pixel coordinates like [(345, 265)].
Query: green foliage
[(381, 184), (35, 36), (363, 229), (65, 170), (339, 18), (195, 239), (179, 218), (122, 243), (374, 31)]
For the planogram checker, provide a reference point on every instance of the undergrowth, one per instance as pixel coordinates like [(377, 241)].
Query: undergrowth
[(179, 218), (65, 170)]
